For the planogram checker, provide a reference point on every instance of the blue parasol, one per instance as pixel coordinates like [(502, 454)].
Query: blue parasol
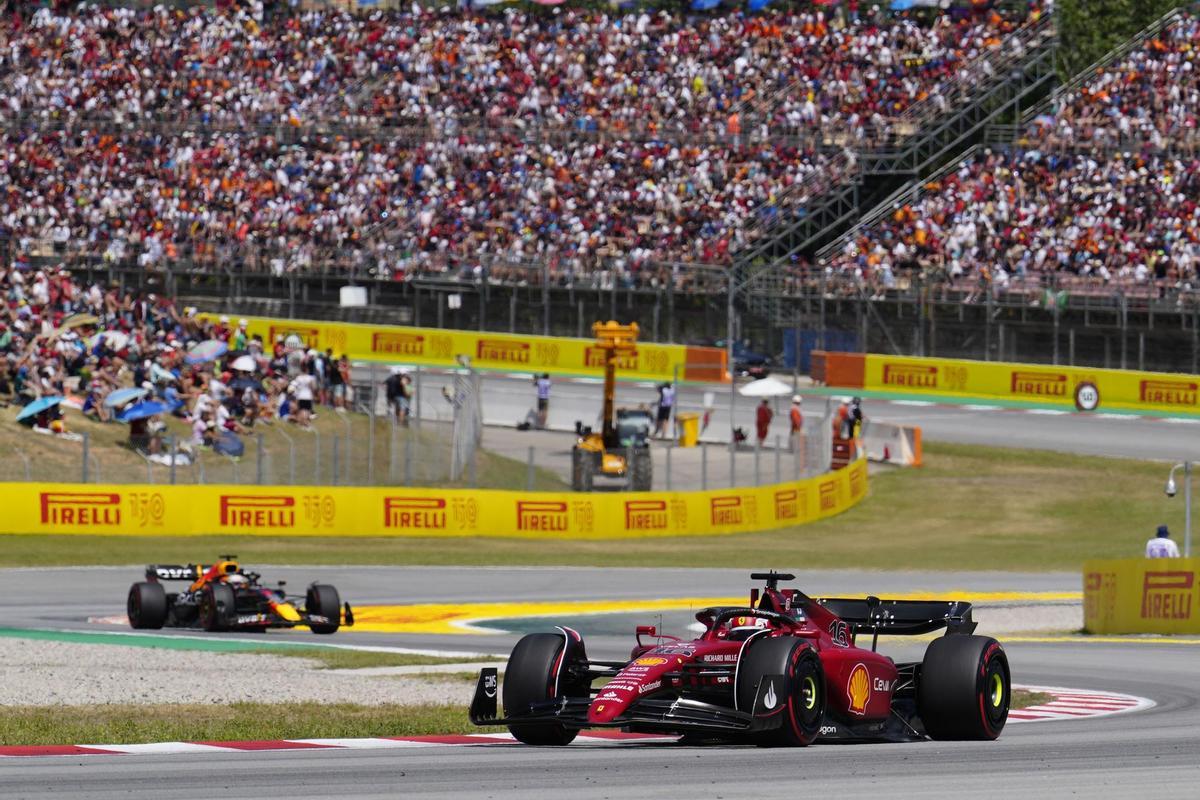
[(757, 5), (704, 5), (122, 396), (206, 351), (37, 407), (146, 408)]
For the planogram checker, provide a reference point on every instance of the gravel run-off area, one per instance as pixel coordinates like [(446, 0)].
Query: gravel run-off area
[(42, 673)]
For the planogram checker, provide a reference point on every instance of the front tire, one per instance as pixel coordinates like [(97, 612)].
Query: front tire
[(218, 607), (803, 693), (964, 689), (323, 599), (146, 606), (537, 671)]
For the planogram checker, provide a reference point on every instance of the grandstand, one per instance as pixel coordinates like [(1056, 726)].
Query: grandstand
[(691, 171)]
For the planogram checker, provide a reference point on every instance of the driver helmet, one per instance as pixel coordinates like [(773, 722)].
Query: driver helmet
[(237, 579)]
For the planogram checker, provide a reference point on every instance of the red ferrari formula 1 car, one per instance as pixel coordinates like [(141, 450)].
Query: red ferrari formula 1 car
[(784, 670)]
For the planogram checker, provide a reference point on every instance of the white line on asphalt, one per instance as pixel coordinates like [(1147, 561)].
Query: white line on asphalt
[(921, 403), (974, 407), (1181, 420), (1049, 412)]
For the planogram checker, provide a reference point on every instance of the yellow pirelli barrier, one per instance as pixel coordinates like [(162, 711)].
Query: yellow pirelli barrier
[(1142, 595), (349, 511), (492, 351), (1039, 384)]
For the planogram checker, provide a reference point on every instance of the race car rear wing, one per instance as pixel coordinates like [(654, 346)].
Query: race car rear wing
[(179, 572), (901, 617)]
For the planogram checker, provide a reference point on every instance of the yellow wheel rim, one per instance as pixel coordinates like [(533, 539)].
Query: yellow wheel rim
[(810, 694), (997, 690)]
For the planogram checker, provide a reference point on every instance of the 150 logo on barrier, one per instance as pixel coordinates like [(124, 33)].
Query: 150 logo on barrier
[(80, 509), (828, 492), (310, 336), (414, 512), (147, 508), (545, 516), (1167, 595), (594, 357), (257, 511)]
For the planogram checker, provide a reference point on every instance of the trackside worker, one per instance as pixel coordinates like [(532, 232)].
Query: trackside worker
[(1161, 545), (543, 398), (797, 424)]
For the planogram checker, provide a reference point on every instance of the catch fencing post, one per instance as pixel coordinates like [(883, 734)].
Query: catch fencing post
[(628, 469), (87, 441), (371, 430), (408, 445), (171, 450), (291, 456), (778, 468), (757, 453), (703, 466), (670, 447), (392, 448), (28, 465), (335, 460), (258, 440), (732, 457), (349, 447), (529, 471), (415, 413), (317, 460)]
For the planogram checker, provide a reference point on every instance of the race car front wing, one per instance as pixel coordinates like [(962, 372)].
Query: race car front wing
[(669, 714)]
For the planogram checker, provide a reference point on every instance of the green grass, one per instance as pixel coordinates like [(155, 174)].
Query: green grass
[(1024, 699), (124, 724), (980, 508), (362, 659)]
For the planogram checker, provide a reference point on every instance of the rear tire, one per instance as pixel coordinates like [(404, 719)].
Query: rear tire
[(803, 692), (218, 607), (534, 673), (147, 606), (323, 599), (964, 689), (643, 470)]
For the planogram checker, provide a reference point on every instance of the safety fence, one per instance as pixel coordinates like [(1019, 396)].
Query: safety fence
[(1142, 595), (67, 508), (1031, 384)]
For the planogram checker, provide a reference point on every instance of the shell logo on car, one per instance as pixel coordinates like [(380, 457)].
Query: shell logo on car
[(858, 688), (650, 661)]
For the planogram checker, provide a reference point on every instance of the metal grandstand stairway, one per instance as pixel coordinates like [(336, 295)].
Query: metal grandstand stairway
[(928, 135)]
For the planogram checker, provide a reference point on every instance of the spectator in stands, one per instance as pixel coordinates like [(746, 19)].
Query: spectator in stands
[(1161, 545)]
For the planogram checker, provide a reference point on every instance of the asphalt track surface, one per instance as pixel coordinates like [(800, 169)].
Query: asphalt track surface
[(1148, 754), (509, 400)]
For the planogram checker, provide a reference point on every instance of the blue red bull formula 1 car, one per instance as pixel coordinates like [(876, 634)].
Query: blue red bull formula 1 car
[(784, 670)]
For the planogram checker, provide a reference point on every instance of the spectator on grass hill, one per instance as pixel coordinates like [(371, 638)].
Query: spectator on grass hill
[(1161, 546)]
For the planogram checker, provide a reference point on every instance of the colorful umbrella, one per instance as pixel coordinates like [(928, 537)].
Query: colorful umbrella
[(79, 320), (117, 340), (37, 407), (244, 364), (122, 396), (757, 5), (704, 5), (206, 351), (146, 408)]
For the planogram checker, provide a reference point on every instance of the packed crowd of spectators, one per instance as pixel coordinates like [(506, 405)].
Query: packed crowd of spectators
[(211, 134), (79, 346), (1067, 207)]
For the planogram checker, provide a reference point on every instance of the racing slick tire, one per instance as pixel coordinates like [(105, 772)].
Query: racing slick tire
[(218, 607), (803, 694), (643, 470), (323, 599), (147, 605), (536, 671), (964, 688)]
